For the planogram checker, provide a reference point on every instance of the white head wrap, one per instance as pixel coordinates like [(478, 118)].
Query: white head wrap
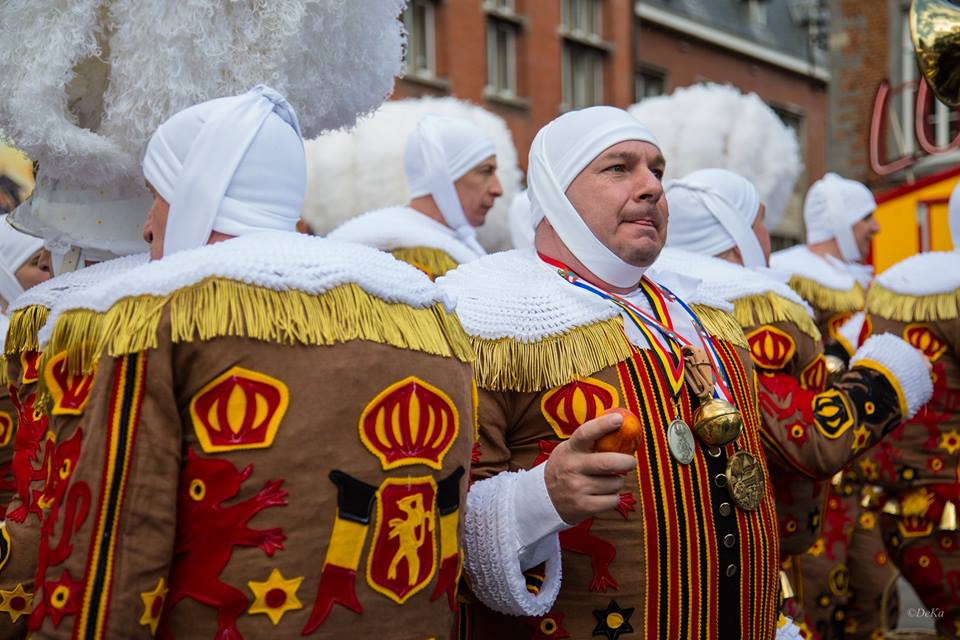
[(833, 205), (713, 210), (234, 165), (438, 153), (523, 224), (953, 216), (15, 249), (558, 154)]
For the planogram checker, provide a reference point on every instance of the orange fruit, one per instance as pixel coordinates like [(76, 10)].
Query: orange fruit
[(626, 439)]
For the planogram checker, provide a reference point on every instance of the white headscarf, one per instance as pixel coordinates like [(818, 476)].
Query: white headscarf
[(953, 216), (713, 210), (438, 153), (234, 165), (523, 224), (833, 205), (15, 249), (558, 154)]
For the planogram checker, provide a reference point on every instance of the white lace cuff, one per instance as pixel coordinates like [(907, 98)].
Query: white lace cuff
[(904, 366), (492, 549)]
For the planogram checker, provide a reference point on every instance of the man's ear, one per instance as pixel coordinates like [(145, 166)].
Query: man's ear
[(303, 227)]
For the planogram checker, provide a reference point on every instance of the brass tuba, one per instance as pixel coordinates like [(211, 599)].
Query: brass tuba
[(935, 31)]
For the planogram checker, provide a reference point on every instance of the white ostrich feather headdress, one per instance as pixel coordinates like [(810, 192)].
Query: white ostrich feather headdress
[(87, 81)]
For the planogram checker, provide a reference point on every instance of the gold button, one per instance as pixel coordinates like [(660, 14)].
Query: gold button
[(720, 480), (731, 570), (729, 540), (725, 509)]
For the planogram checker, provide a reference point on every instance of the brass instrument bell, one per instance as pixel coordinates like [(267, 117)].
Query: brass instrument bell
[(935, 31)]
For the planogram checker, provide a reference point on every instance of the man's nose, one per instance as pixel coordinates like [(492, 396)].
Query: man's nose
[(649, 187)]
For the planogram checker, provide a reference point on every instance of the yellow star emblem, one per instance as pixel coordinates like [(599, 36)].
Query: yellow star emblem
[(861, 436), (153, 605), (869, 469), (16, 603), (817, 548), (275, 596), (950, 441)]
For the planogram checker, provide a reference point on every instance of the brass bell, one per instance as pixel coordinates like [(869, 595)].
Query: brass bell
[(717, 422), (786, 589), (835, 368), (948, 521)]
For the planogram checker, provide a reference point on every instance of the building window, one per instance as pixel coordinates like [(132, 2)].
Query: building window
[(502, 52), (584, 53), (420, 57), (650, 82)]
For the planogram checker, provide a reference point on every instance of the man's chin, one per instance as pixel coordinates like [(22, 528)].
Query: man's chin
[(640, 254)]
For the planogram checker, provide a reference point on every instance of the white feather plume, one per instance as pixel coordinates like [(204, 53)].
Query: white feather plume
[(716, 126), (85, 82), (349, 173)]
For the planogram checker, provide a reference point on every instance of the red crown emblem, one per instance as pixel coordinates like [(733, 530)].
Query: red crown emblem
[(836, 321), (814, 377), (771, 348), (240, 409), (921, 337), (29, 371), (70, 392), (566, 408), (410, 422)]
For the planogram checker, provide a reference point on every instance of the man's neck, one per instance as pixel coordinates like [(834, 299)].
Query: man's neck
[(826, 248), (549, 244), (428, 207)]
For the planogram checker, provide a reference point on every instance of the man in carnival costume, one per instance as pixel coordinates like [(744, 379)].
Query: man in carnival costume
[(811, 429), (676, 541)]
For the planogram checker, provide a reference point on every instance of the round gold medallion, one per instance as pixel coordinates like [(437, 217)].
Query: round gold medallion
[(745, 480), (717, 422)]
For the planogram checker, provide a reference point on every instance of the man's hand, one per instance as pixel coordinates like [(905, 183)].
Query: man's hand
[(582, 483)]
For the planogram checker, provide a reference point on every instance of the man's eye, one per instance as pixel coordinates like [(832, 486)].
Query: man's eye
[(658, 173), (617, 168)]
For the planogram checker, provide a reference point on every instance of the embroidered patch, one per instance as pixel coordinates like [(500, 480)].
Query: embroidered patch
[(208, 529), (153, 605), (275, 596), (567, 407), (63, 597), (921, 337), (5, 547), (838, 580), (548, 627), (403, 554), (770, 347), (7, 425), (29, 367), (409, 422), (31, 428), (239, 409), (70, 392), (16, 603), (835, 322), (832, 415), (613, 621), (861, 438), (814, 375)]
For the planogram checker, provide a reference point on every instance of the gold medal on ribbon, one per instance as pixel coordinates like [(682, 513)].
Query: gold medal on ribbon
[(716, 422), (745, 480)]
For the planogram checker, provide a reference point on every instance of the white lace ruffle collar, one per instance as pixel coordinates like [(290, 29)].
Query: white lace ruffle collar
[(800, 261), (280, 261), (516, 295), (402, 228), (924, 274)]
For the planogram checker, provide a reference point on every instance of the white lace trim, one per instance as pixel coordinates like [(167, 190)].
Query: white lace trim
[(47, 294), (515, 295), (492, 550), (402, 228), (724, 280), (924, 274), (277, 260), (800, 261), (907, 365)]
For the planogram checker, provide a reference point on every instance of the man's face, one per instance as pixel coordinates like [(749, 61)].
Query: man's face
[(156, 224), (478, 189), (35, 270), (619, 195), (763, 234), (863, 232)]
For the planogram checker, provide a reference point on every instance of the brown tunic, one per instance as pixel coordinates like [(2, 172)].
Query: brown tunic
[(236, 488), (677, 558)]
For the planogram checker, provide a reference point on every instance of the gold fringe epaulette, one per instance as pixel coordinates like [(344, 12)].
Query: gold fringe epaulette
[(217, 308), (25, 324), (720, 324), (909, 308), (768, 307), (433, 262), (506, 364), (827, 299)]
